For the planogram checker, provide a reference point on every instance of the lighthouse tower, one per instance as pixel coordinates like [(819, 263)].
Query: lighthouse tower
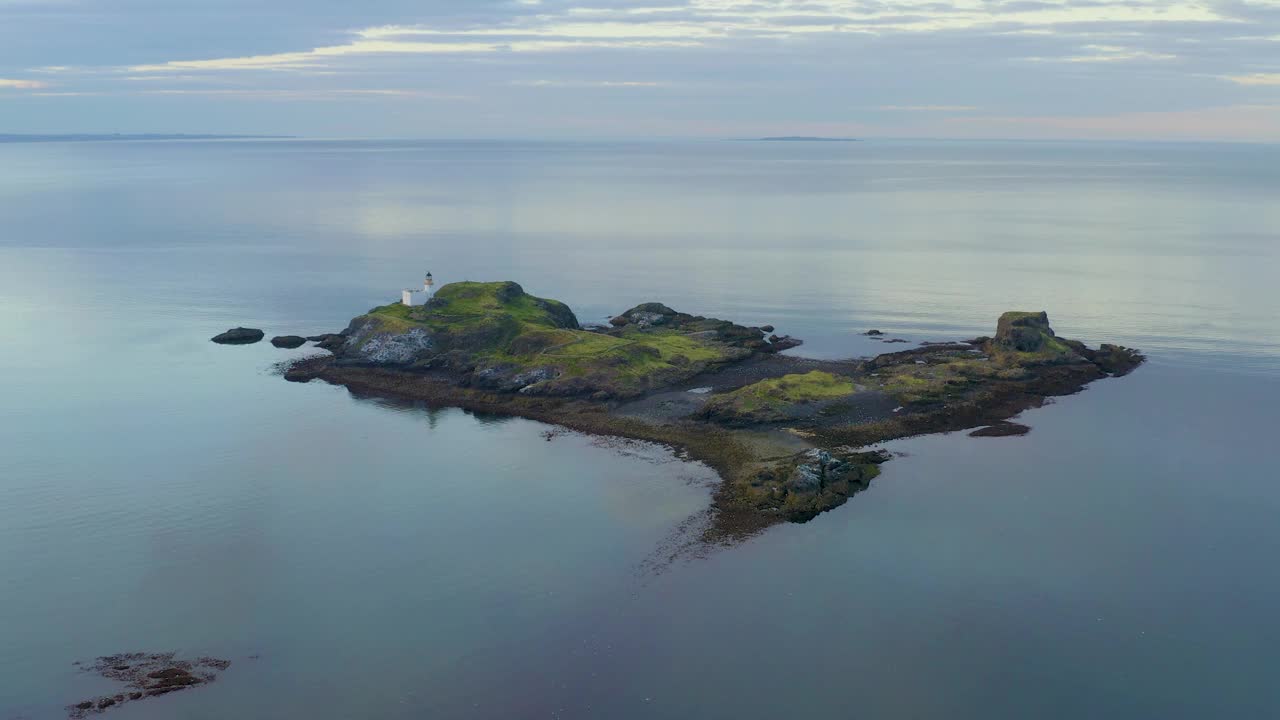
[(419, 297)]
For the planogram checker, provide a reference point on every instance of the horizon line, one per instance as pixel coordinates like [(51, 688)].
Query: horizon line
[(16, 137)]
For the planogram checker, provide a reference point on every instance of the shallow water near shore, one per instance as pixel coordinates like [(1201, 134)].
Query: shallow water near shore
[(362, 558)]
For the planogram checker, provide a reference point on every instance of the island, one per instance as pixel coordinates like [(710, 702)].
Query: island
[(804, 138), (791, 437)]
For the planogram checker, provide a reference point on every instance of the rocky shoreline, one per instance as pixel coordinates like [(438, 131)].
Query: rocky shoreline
[(789, 436)]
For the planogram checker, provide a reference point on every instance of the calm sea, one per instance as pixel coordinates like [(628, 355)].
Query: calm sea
[(363, 559)]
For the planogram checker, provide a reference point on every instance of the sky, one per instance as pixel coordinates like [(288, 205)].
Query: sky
[(1096, 69)]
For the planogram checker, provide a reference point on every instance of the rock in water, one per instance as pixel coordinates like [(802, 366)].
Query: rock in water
[(780, 343), (1001, 429), (1023, 331), (330, 341), (288, 341), (145, 675), (239, 336), (1117, 360)]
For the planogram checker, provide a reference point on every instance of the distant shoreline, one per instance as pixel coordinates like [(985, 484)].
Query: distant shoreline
[(113, 137), (798, 138)]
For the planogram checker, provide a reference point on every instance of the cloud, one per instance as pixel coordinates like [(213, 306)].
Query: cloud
[(716, 23), (320, 57), (1236, 122), (316, 94), (1255, 79), (1108, 54), (662, 67), (22, 84)]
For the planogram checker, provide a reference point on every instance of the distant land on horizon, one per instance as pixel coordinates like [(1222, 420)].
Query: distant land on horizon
[(802, 138), (92, 137)]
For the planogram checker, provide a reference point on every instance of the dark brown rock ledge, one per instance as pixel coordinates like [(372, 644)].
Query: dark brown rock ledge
[(145, 675)]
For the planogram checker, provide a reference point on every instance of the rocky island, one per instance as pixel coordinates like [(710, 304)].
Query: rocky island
[(789, 436)]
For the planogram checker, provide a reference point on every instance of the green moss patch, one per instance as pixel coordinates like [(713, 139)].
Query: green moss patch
[(510, 335), (777, 398), (936, 382)]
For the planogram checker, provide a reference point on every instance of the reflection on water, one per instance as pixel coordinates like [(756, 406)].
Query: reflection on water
[(417, 409), (393, 560)]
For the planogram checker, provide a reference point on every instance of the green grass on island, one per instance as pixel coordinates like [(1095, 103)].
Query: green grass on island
[(497, 324), (773, 398), (936, 381), (788, 444)]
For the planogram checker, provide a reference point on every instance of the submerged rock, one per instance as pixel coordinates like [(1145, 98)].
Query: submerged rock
[(146, 675), (239, 336), (1004, 429)]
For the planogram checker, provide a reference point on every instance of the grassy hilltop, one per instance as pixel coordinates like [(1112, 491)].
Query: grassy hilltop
[(507, 339)]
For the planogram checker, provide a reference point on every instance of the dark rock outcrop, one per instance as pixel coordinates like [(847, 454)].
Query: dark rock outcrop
[(646, 315), (288, 342), (330, 341), (564, 317), (778, 343), (239, 336), (1117, 360), (146, 675), (1002, 429), (657, 316), (821, 480), (1023, 331)]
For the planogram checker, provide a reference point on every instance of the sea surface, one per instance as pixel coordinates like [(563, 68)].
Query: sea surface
[(357, 558)]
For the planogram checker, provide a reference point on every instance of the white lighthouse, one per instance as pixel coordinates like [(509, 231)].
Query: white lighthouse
[(419, 297)]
